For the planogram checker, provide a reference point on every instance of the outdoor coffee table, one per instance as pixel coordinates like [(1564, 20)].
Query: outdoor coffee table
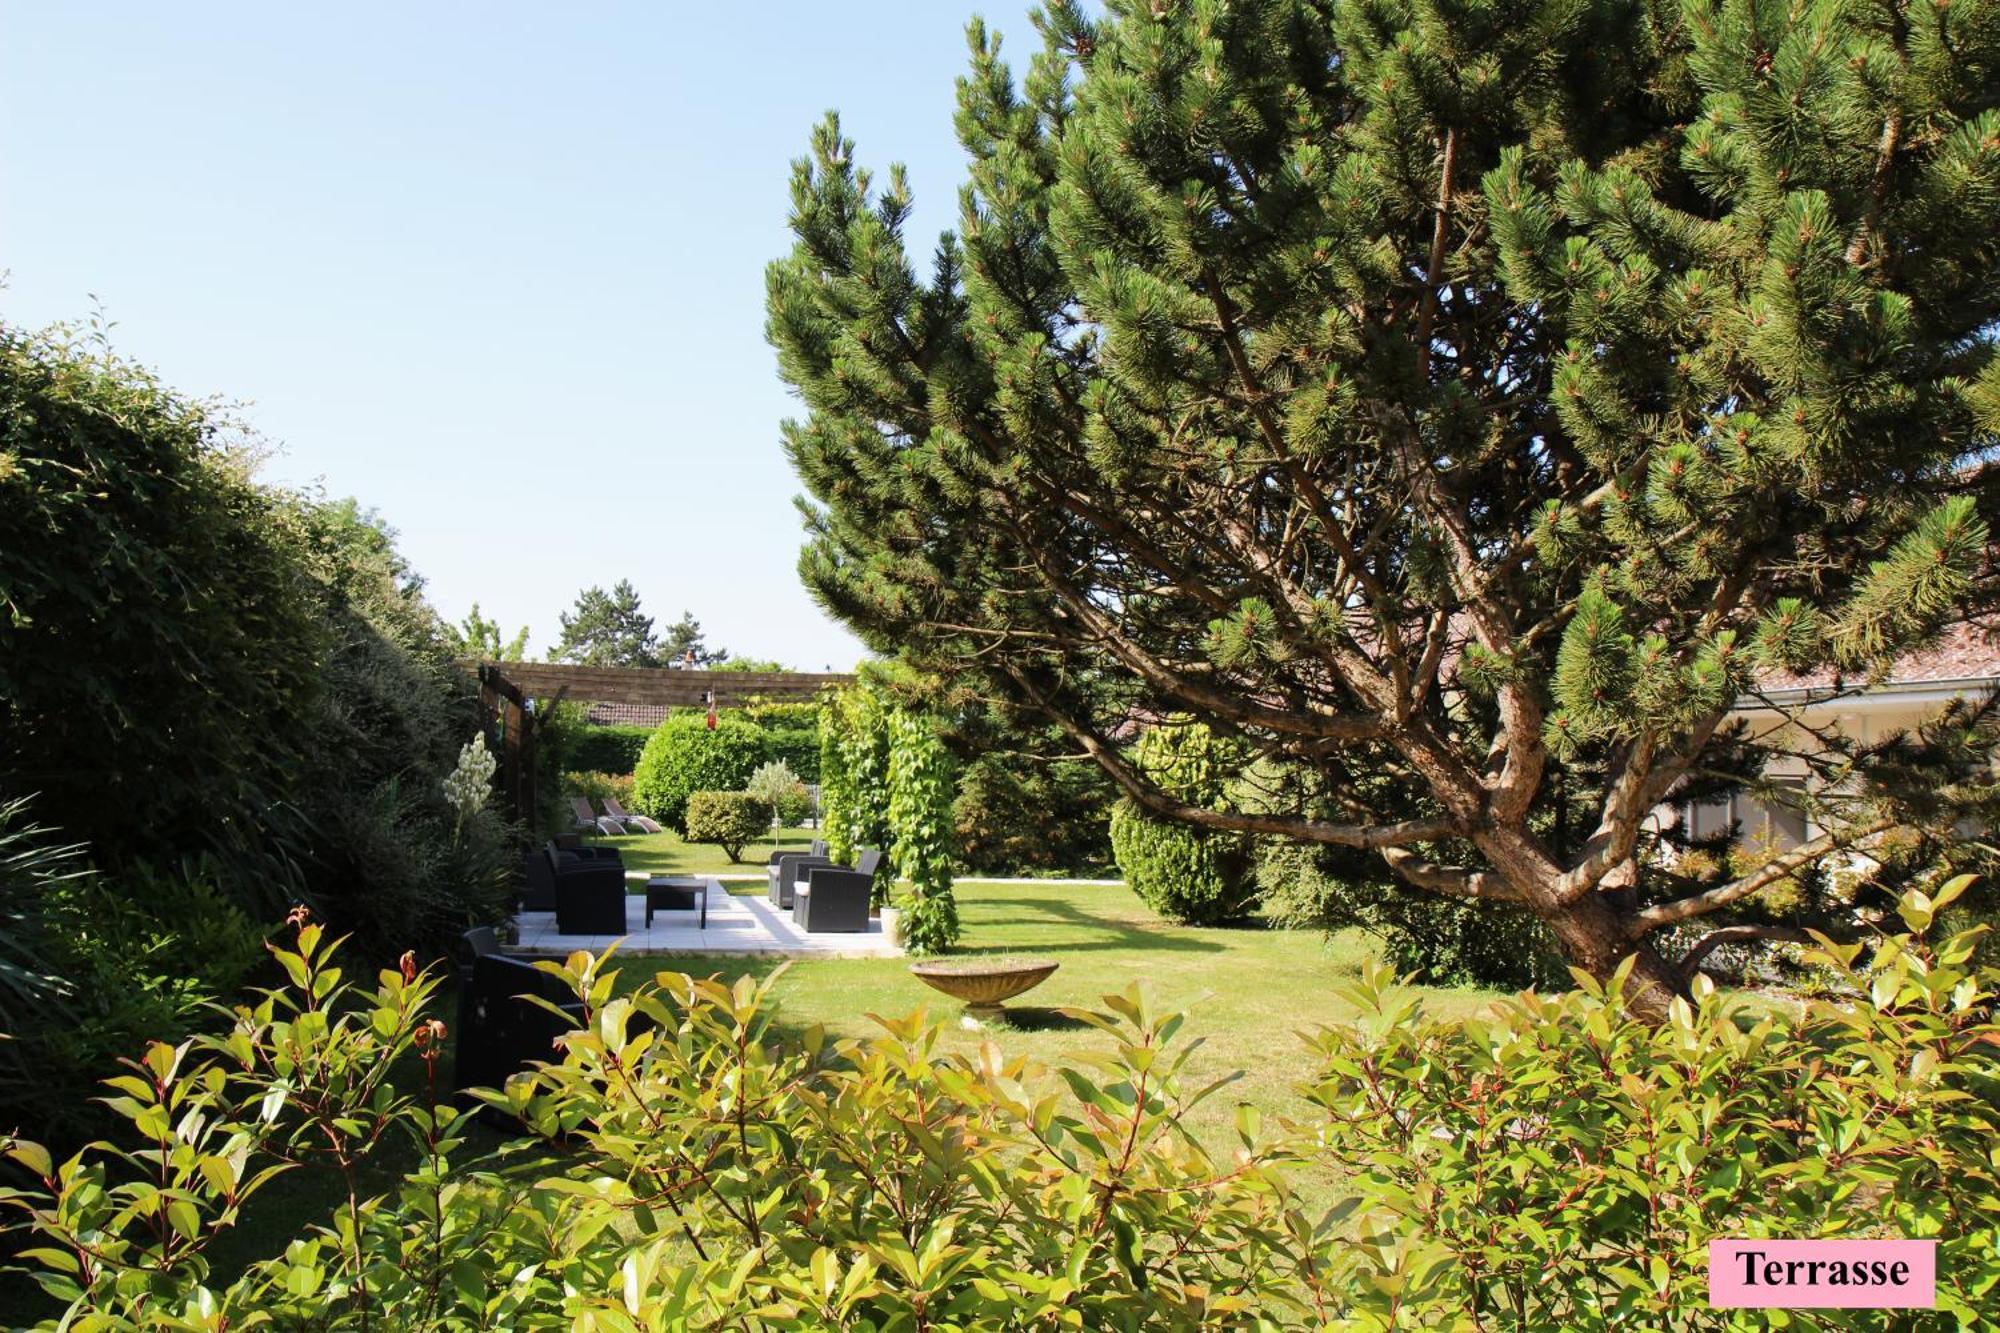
[(677, 891)]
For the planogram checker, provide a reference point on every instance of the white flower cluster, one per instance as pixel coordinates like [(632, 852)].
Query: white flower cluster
[(469, 783)]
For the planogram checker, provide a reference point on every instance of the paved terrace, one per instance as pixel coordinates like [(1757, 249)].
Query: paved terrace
[(736, 925)]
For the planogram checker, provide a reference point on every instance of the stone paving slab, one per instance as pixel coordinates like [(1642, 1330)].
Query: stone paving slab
[(735, 926)]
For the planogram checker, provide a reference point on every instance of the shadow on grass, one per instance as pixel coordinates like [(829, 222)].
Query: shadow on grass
[(1038, 1018), (1096, 930)]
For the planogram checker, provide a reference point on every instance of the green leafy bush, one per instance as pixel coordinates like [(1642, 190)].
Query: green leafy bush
[(597, 786), (683, 757), (104, 963), (1557, 1164), (1552, 1164), (920, 792), (730, 819), (1183, 873), (776, 783), (607, 749), (695, 1172)]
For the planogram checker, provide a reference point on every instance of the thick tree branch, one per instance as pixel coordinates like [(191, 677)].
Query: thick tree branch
[(1452, 881), (1701, 904), (1691, 961)]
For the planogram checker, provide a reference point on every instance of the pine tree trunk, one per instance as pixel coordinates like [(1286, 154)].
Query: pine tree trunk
[(1593, 938), (1590, 930)]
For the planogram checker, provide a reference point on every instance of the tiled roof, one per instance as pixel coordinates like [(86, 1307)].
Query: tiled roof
[(1968, 651), (626, 715)]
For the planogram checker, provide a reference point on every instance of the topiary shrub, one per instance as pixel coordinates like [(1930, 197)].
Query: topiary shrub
[(776, 783), (730, 819), (684, 757), (920, 816), (1185, 874)]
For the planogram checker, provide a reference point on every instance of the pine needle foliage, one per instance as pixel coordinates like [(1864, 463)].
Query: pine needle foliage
[(1490, 391)]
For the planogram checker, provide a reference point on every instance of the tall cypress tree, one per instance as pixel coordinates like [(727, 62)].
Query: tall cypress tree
[(1480, 393)]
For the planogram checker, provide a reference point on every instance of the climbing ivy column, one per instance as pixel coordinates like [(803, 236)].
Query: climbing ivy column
[(836, 788), (864, 744), (920, 796)]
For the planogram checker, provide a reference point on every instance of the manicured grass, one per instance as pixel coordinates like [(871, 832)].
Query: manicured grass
[(665, 853), (1248, 991)]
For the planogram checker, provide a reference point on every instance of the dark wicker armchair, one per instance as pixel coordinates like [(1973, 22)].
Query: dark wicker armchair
[(836, 899), (587, 892), (782, 876), (500, 1032)]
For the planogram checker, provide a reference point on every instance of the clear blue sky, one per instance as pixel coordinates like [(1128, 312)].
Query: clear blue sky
[(494, 269)]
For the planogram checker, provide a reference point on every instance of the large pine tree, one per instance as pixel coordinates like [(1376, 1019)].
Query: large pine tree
[(1462, 401)]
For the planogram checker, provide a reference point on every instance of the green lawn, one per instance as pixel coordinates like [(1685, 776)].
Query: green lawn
[(1248, 991), (665, 853)]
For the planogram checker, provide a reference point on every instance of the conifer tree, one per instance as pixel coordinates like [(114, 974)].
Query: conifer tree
[(608, 629), (1481, 394)]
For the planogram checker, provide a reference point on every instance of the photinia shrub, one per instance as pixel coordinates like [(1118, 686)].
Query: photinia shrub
[(730, 819), (1558, 1164), (1549, 1165)]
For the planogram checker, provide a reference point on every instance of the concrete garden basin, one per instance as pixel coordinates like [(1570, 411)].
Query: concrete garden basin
[(984, 984)]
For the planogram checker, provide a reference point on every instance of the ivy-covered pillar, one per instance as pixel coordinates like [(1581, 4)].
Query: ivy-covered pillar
[(920, 796)]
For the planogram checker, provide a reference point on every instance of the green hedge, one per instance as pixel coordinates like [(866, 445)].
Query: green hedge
[(607, 749), (795, 747)]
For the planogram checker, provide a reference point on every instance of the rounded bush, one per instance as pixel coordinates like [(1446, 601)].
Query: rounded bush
[(683, 757), (1183, 873), (730, 819)]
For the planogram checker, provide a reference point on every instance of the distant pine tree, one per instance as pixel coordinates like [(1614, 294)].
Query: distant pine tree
[(608, 629)]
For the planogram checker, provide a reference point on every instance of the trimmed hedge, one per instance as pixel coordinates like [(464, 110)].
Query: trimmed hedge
[(607, 749), (797, 748)]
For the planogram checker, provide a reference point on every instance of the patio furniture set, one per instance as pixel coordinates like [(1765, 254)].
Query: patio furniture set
[(502, 1029), (820, 895), (586, 888)]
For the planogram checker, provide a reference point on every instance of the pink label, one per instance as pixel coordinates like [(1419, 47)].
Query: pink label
[(1823, 1274)]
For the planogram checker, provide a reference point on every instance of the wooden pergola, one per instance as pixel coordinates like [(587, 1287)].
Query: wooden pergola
[(505, 689)]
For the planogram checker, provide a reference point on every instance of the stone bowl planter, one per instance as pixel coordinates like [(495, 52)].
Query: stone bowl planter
[(984, 984)]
